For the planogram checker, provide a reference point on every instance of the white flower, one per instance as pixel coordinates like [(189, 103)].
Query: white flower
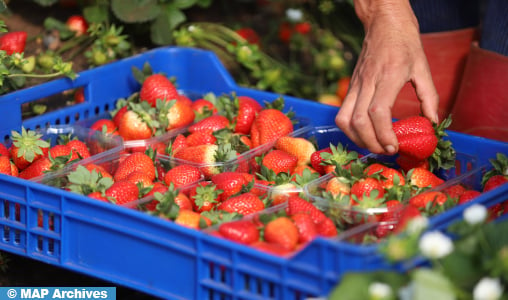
[(379, 290), (294, 15), (488, 289), (475, 214), (435, 245), (417, 224)]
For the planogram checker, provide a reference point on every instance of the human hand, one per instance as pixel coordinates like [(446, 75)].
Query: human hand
[(392, 55)]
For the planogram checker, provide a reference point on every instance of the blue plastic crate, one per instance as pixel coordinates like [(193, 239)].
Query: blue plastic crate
[(152, 255)]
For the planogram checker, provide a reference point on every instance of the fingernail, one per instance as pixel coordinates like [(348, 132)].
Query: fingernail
[(390, 149)]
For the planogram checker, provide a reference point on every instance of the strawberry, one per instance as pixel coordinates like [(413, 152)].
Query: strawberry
[(420, 139), (335, 186), (122, 192), (297, 146), (407, 163), (454, 191), (316, 161), (416, 137), (365, 186), (269, 125), (244, 204), (140, 178), (423, 178), (119, 114), (98, 196), (13, 42), (37, 168), (138, 161), (422, 200), (279, 161), (282, 231), (241, 231), (78, 24), (467, 196), (248, 109), (204, 196), (175, 114), (4, 150), (5, 165), (388, 175), (210, 124), (494, 182), (296, 204), (326, 228), (99, 169), (200, 138), (179, 142), (106, 126), (206, 155), (191, 219), (134, 126), (408, 213), (157, 86), (230, 183), (27, 146), (270, 248), (307, 230), (157, 187), (79, 148), (182, 175), (203, 108)]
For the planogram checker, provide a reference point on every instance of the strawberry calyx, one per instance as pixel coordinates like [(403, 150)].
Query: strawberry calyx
[(499, 167), (145, 112), (220, 216), (29, 143), (444, 155), (306, 177), (206, 194), (167, 207), (84, 182), (339, 156), (279, 104)]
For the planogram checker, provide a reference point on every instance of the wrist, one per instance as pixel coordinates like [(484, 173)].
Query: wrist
[(368, 11)]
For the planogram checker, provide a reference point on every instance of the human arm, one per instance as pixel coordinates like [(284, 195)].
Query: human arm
[(391, 55)]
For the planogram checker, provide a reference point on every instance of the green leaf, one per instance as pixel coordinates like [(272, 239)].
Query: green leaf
[(183, 4), (96, 14), (135, 11), (162, 28), (51, 23), (3, 6), (429, 284), (356, 285)]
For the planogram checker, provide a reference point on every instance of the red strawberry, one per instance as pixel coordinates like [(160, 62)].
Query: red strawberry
[(241, 231), (207, 156), (79, 147), (179, 142), (178, 115), (4, 150), (269, 125), (280, 161), (326, 228), (270, 248), (468, 195), (364, 187), (316, 160), (106, 126), (157, 86), (122, 192), (297, 204), (230, 183), (98, 195), (210, 124), (282, 231), (5, 165), (408, 213), (140, 178), (454, 191), (494, 181), (79, 95), (421, 178), (137, 161), (300, 147), (204, 196), (132, 127), (200, 138), (306, 228), (244, 204), (191, 219), (36, 168), (27, 146), (13, 42), (423, 199), (407, 163), (302, 28), (119, 114), (416, 137), (77, 24), (200, 106), (248, 108), (388, 175), (182, 175), (99, 169)]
